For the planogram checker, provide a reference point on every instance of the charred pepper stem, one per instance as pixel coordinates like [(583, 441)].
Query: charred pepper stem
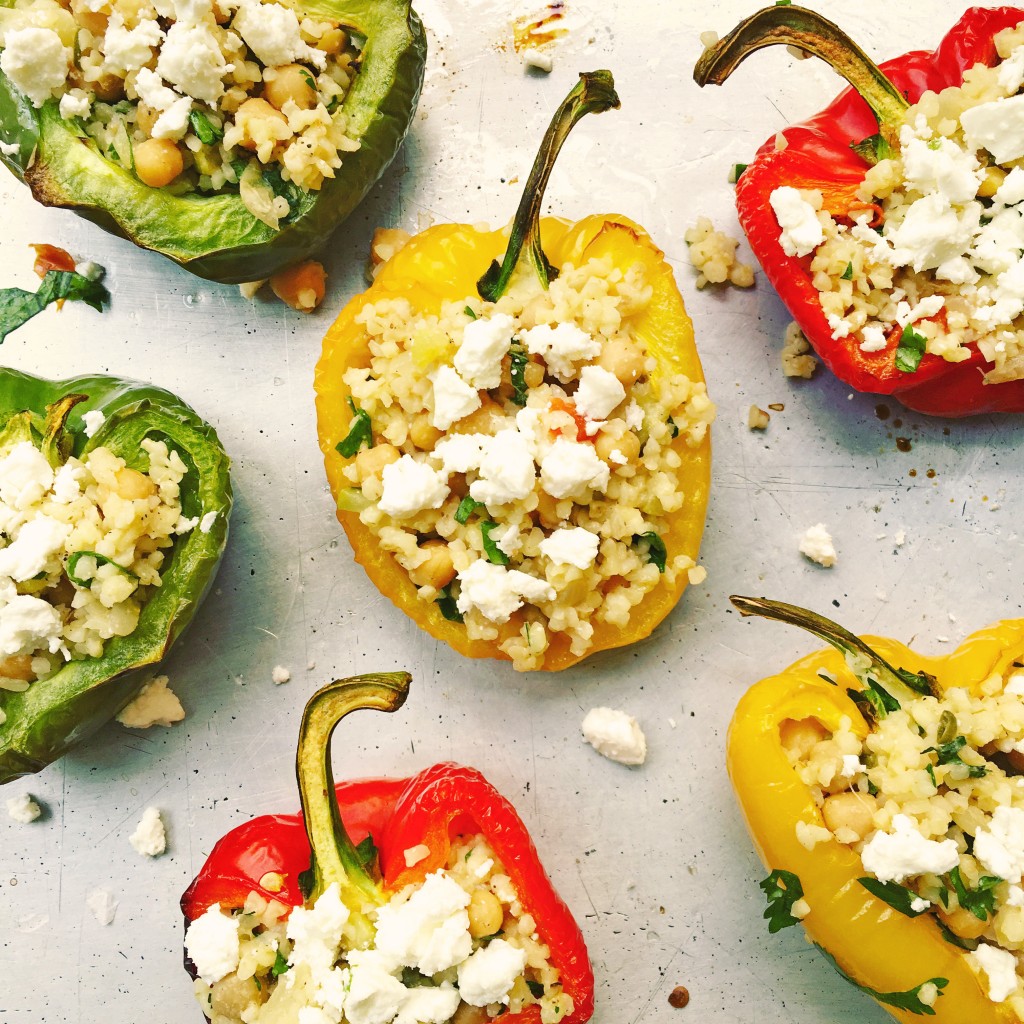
[(593, 93), (334, 858), (790, 25)]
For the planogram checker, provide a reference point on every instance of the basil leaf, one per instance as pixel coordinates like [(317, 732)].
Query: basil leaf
[(466, 508), (981, 902), (280, 965), (782, 889), (359, 433), (909, 1000), (897, 896), (204, 128), (18, 306), (491, 550), (448, 606), (910, 350), (656, 551), (517, 372), (77, 556)]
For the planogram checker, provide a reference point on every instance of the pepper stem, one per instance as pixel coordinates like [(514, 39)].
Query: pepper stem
[(593, 93), (865, 663), (334, 857), (791, 25)]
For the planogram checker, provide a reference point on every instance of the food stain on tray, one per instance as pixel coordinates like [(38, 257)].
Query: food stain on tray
[(531, 31)]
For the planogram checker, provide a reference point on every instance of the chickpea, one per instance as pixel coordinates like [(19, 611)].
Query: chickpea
[(628, 446), (799, 735), (251, 112), (93, 21), (533, 375), (370, 462), (17, 666), (423, 433), (158, 162), (484, 420), (467, 1014), (994, 177), (485, 913), (624, 359), (333, 41), (963, 923), (547, 511), (437, 571), (132, 485), (851, 810), (302, 287), (231, 995), (290, 82), (108, 88)]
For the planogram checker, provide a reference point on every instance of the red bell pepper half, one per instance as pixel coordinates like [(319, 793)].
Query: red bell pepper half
[(293, 858), (820, 154)]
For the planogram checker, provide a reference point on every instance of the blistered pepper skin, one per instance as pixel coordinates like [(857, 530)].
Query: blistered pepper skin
[(876, 946), (443, 264), (817, 156), (216, 237), (52, 715)]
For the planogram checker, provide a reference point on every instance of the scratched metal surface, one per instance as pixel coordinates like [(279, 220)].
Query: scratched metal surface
[(654, 861)]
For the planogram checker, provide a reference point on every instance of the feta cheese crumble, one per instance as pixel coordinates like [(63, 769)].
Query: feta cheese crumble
[(23, 809), (156, 704), (615, 735), (149, 838), (816, 544)]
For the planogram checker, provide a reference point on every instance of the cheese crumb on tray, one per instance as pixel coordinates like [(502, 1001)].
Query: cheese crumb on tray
[(23, 809), (615, 735), (816, 544), (156, 704), (149, 837)]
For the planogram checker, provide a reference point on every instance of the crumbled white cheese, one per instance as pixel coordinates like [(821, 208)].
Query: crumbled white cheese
[(999, 847), (316, 931), (569, 469), (280, 674), (599, 393), (809, 835), (374, 994), (816, 544), (634, 415), (25, 475), (932, 232), (37, 543), (75, 103), (496, 592), (454, 399), (206, 523), (1000, 967), (459, 453), (801, 230), (615, 735), (893, 856), (575, 546), (28, 623), (174, 109), (426, 1004), (156, 704), (997, 126), (212, 944), (23, 809), (490, 972), (919, 905), (939, 165), (484, 344), (191, 60), (128, 49), (272, 32), (560, 347), (534, 58), (36, 62), (410, 487), (103, 905), (507, 470), (149, 837)]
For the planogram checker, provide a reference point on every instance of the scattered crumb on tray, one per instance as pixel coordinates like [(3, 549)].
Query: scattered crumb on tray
[(280, 674), (149, 837), (713, 254), (816, 544), (796, 358), (757, 418), (23, 809), (156, 704), (102, 904), (679, 997), (615, 735)]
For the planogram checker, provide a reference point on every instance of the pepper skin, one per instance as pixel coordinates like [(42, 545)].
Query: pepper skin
[(876, 947), (443, 264), (817, 155), (215, 236), (48, 718), (430, 808)]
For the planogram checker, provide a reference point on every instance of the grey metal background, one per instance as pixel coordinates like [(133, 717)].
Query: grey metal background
[(655, 861)]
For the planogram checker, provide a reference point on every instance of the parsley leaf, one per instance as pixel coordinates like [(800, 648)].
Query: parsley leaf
[(359, 433), (204, 128), (782, 889), (897, 896), (466, 508), (952, 938), (910, 350), (656, 550), (448, 606), (909, 1000), (491, 550), (536, 988), (77, 556), (847, 274), (18, 306), (735, 171), (949, 753), (280, 965), (469, 312), (517, 372), (981, 902)]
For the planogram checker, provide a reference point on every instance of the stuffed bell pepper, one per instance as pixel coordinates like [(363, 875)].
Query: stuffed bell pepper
[(884, 790), (114, 503), (233, 136), (515, 428), (414, 901), (891, 223)]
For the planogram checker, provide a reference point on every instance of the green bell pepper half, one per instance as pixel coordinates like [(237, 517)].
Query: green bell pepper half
[(215, 236), (53, 714)]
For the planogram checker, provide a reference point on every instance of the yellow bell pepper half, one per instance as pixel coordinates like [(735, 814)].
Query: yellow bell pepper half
[(880, 950)]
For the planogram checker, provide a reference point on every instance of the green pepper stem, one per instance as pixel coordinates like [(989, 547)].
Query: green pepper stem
[(865, 663), (334, 857), (593, 93), (791, 25)]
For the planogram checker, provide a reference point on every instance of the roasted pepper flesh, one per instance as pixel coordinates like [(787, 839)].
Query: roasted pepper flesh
[(52, 714), (293, 859), (878, 949)]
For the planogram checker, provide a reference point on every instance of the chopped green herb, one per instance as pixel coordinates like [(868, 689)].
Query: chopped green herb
[(782, 889), (981, 902), (947, 728), (656, 551), (673, 426), (466, 508), (291, 192), (735, 171), (280, 965), (909, 1000), (536, 988), (949, 753), (847, 274), (952, 938), (18, 306), (77, 556), (309, 79), (359, 433), (931, 775), (517, 372), (910, 350), (205, 130), (783, 3), (469, 312), (874, 701), (920, 682), (259, 987), (897, 896), (491, 550), (411, 978), (448, 605)]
